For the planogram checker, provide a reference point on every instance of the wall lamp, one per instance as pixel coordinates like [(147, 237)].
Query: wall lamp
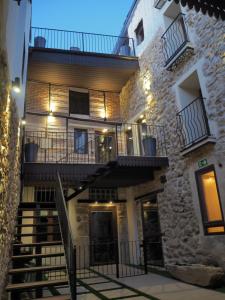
[(16, 85), (23, 122)]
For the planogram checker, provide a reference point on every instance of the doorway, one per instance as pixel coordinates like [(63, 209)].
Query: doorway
[(103, 235), (152, 232)]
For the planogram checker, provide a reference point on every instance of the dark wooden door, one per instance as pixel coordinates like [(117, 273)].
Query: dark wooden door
[(103, 236), (152, 233)]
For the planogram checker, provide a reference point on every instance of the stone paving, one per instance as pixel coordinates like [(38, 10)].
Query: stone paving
[(152, 286)]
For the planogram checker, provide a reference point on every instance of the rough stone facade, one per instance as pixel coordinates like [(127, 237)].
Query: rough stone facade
[(151, 89), (9, 168)]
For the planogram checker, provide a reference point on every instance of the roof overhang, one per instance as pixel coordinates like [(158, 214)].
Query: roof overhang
[(81, 69)]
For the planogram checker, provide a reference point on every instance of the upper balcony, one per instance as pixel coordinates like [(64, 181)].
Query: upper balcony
[(176, 44), (126, 153), (87, 60)]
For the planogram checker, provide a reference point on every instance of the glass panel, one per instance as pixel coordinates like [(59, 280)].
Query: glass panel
[(80, 141), (215, 229), (211, 197)]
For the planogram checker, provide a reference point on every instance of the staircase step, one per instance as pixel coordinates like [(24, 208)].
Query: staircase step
[(61, 297), (37, 234), (37, 204), (31, 256), (37, 269), (38, 224), (42, 244), (36, 208), (34, 285), (35, 217)]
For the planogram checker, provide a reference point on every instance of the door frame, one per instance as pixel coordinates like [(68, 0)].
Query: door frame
[(112, 209), (150, 197)]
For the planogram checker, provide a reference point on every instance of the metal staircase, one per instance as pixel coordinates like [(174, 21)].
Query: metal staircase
[(39, 267)]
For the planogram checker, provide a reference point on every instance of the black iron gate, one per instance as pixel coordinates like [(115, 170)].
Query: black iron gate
[(121, 259)]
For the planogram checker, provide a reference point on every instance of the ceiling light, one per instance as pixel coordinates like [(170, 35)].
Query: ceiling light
[(105, 130)]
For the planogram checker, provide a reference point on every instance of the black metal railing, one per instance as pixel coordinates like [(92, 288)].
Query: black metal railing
[(81, 41), (118, 258), (66, 233), (192, 123), (159, 3), (94, 147), (175, 38)]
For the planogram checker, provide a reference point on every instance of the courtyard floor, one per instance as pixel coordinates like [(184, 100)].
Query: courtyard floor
[(150, 286)]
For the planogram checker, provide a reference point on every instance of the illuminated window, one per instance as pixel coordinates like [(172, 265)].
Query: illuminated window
[(210, 201)]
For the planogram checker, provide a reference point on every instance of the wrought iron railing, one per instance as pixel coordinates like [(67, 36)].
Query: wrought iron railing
[(192, 123), (175, 38), (118, 258), (94, 147), (81, 41), (66, 233)]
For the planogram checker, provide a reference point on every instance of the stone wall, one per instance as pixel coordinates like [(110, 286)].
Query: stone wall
[(9, 169), (151, 89)]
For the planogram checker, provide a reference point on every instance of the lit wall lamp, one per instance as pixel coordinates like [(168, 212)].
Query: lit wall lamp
[(23, 122), (16, 85)]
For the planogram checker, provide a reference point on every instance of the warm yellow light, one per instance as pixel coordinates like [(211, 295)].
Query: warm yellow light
[(105, 130), (51, 119), (129, 127), (216, 229), (211, 197), (103, 114), (16, 85), (52, 107), (141, 116), (23, 122), (143, 121)]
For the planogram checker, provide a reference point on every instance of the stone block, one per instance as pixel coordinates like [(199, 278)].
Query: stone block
[(201, 275)]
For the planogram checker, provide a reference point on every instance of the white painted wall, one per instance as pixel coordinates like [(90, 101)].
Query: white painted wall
[(153, 19), (17, 27)]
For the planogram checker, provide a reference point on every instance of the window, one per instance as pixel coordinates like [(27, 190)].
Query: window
[(78, 103), (139, 31), (212, 214), (80, 141)]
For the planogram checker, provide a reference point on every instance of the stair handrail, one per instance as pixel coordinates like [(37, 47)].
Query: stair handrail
[(66, 233)]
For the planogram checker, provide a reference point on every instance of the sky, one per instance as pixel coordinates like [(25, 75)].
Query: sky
[(94, 16)]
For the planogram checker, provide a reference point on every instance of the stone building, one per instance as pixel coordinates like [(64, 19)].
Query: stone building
[(14, 39), (123, 152)]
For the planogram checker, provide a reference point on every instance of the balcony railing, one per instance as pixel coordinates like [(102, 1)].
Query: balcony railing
[(81, 41), (94, 147), (174, 39), (192, 123)]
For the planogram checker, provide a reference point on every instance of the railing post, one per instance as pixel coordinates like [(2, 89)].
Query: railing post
[(117, 146), (145, 256), (83, 41), (117, 259), (205, 116)]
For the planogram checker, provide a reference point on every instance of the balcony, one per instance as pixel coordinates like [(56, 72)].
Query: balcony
[(192, 124), (86, 60), (125, 153), (159, 3), (75, 41), (176, 44)]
